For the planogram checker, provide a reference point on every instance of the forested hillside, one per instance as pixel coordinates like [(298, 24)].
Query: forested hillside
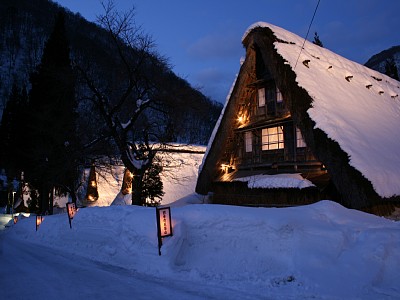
[(386, 61), (188, 116)]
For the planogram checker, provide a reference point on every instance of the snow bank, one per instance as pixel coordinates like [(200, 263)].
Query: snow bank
[(317, 251), (179, 177), (354, 105), (276, 181)]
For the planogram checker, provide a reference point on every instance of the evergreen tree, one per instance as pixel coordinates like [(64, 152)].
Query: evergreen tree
[(33, 203), (12, 132), (53, 142), (391, 69), (152, 185), (317, 40)]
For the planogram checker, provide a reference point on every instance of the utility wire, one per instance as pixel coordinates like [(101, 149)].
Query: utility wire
[(308, 31)]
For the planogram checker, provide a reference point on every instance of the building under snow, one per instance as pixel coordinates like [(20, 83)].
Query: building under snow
[(302, 123)]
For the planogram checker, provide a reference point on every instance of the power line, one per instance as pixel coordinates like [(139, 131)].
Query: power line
[(308, 31)]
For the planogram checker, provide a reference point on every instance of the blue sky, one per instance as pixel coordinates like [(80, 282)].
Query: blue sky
[(202, 39)]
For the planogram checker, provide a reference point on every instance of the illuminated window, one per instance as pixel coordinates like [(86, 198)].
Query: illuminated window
[(279, 97), (300, 143), (272, 138), (261, 97), (248, 139)]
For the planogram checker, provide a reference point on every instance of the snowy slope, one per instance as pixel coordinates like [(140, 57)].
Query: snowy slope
[(321, 251), (179, 176), (356, 106)]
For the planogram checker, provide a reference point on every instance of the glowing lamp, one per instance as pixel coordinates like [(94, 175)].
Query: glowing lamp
[(39, 220), (71, 210), (91, 193), (227, 168), (164, 225), (127, 182)]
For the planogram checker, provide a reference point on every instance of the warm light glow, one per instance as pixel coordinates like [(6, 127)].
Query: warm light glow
[(90, 198), (39, 220), (93, 183), (227, 168), (242, 118), (165, 222), (71, 208)]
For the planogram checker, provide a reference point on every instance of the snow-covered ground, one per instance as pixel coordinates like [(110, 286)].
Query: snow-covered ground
[(321, 251), (179, 176)]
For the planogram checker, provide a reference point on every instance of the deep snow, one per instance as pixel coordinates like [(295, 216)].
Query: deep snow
[(321, 251)]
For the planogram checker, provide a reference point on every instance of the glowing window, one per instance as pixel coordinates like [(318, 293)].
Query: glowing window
[(272, 138)]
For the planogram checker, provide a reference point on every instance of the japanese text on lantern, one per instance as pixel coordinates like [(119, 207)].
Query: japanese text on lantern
[(165, 224), (71, 210)]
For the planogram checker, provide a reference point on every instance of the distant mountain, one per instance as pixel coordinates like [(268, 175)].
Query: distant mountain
[(378, 61), (24, 28)]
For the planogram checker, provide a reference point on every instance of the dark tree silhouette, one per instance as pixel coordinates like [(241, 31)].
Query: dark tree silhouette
[(317, 40), (129, 93), (52, 137), (391, 69), (12, 132)]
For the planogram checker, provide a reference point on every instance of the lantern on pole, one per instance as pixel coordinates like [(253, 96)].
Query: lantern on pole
[(39, 220), (164, 225), (71, 210), (127, 182)]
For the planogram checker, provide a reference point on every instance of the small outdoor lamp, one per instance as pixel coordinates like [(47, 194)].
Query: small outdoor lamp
[(127, 182), (39, 220), (71, 210), (92, 193), (164, 225)]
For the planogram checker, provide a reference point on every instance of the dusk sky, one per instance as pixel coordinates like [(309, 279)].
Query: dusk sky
[(202, 39)]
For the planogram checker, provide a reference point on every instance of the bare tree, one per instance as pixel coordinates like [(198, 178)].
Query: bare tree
[(130, 90)]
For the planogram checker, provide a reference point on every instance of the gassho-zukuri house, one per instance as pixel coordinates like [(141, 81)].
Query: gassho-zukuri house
[(302, 124)]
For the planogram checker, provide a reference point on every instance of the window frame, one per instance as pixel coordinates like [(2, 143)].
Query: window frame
[(300, 142), (248, 141), (272, 138), (261, 97)]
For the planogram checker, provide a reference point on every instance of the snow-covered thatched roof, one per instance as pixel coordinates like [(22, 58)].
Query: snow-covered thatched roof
[(355, 106)]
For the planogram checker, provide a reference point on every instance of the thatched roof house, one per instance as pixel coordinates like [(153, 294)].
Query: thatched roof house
[(305, 110)]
